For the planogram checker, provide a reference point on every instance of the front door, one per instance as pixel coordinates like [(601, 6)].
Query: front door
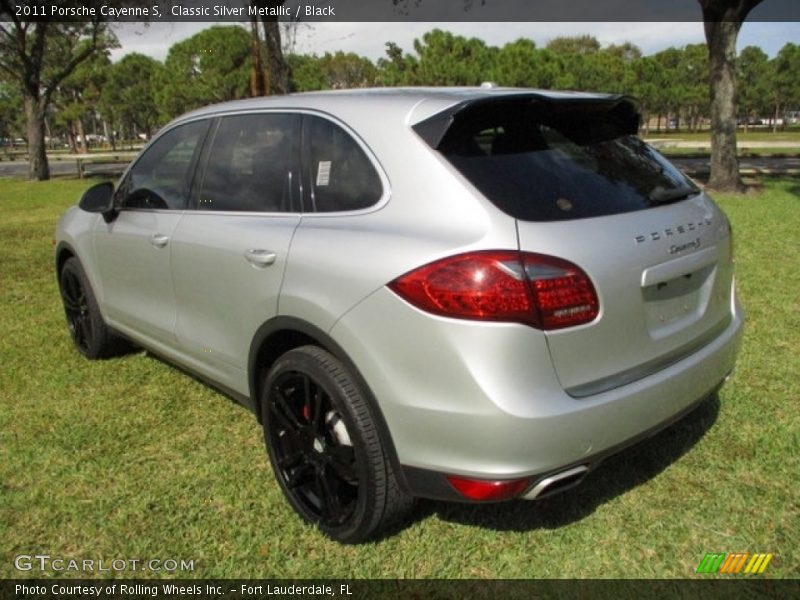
[(133, 251)]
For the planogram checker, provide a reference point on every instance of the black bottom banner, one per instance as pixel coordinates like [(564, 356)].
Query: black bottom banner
[(472, 589)]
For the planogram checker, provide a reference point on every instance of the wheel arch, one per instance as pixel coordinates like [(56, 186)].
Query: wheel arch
[(281, 334), (63, 253)]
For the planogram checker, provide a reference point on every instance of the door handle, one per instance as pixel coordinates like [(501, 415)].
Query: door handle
[(159, 240), (260, 257)]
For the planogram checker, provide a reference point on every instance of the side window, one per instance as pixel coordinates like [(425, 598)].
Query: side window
[(249, 164), (339, 174), (160, 178)]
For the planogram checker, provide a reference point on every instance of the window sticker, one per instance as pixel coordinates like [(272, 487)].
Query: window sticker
[(323, 173)]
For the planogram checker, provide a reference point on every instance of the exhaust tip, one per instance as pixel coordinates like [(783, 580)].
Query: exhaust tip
[(558, 482)]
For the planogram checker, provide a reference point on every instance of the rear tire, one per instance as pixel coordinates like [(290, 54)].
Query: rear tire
[(91, 336), (325, 448)]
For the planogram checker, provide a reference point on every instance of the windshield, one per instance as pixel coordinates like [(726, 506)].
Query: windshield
[(549, 161)]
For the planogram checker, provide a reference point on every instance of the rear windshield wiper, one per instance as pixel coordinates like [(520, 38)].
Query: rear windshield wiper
[(662, 195)]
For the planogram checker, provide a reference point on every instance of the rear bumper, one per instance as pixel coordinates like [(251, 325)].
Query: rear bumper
[(481, 400), (432, 484)]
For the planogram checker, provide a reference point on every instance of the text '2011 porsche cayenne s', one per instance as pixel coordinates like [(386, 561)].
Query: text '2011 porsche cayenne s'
[(463, 294)]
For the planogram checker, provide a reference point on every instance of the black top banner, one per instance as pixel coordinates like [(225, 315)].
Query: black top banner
[(382, 10)]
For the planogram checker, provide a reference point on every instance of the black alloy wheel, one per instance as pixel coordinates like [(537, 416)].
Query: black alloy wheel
[(315, 456), (325, 449), (76, 307), (92, 337)]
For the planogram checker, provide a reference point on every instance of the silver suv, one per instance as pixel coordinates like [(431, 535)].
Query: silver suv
[(462, 294)]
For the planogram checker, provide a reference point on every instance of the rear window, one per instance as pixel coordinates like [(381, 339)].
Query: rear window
[(340, 177), (549, 161)]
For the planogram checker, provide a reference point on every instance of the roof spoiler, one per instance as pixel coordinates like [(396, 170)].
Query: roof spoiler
[(622, 109)]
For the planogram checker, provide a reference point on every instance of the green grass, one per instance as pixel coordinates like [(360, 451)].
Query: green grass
[(131, 458), (743, 152), (791, 134)]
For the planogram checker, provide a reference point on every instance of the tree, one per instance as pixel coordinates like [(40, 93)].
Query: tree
[(77, 97), (308, 73), (786, 74), (668, 92), (692, 71), (579, 44), (752, 82), (10, 121), (398, 68), (128, 98), (447, 59), (37, 57), (258, 83), (442, 58), (348, 70), (277, 69), (521, 64), (627, 51), (213, 65), (597, 72), (584, 65), (722, 21), (647, 84), (342, 70)]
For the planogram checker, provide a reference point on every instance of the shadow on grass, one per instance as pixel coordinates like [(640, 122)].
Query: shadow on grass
[(615, 476), (237, 400)]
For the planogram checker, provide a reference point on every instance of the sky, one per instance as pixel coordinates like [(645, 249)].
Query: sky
[(368, 39)]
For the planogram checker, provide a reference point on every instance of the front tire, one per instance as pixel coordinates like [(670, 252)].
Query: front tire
[(325, 448), (90, 334)]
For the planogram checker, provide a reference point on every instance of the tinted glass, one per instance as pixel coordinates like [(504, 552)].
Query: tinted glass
[(249, 163), (340, 175), (559, 162), (160, 178)]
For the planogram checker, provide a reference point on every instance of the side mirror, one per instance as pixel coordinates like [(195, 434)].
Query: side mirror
[(99, 199)]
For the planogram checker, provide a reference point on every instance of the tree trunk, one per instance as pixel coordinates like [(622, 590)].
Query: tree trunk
[(108, 132), (277, 69), (722, 20), (775, 120), (257, 87), (49, 136), (81, 135), (37, 153), (721, 38), (73, 144), (106, 135)]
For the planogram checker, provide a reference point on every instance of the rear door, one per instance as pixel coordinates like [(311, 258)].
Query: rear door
[(584, 188), (230, 249)]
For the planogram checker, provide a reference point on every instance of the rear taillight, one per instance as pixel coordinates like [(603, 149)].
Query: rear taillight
[(488, 491), (500, 285)]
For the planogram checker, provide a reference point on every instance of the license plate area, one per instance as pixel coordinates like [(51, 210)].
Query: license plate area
[(677, 303)]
